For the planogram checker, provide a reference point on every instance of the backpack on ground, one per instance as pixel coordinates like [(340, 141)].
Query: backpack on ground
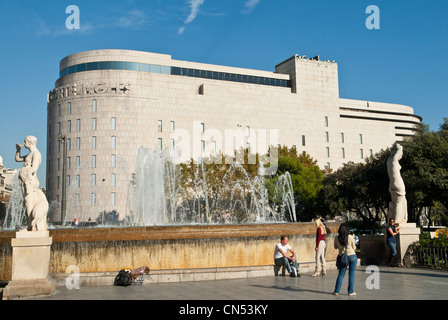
[(123, 278)]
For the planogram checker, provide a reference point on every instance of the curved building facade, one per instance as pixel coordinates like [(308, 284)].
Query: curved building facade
[(107, 104)]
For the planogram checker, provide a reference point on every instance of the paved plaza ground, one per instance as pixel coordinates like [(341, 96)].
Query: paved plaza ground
[(392, 284)]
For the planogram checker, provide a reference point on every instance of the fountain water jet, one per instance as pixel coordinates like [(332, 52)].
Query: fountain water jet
[(163, 195), (16, 210)]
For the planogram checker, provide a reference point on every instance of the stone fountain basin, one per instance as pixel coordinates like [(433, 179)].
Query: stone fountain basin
[(173, 248)]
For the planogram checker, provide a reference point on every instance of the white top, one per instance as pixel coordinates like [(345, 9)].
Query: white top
[(277, 253)]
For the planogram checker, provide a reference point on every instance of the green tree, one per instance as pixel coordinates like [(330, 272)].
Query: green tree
[(425, 170), (358, 188), (306, 178)]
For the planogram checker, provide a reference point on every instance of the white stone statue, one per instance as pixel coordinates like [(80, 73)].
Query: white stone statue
[(398, 207), (35, 201)]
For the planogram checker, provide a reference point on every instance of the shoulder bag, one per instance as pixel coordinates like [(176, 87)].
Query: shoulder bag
[(342, 260)]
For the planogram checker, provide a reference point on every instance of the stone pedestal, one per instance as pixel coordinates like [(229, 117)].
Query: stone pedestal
[(409, 233), (30, 265)]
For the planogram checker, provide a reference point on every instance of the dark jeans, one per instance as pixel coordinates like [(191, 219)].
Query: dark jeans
[(392, 244), (353, 261)]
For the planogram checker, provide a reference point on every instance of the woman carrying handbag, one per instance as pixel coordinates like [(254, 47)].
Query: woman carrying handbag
[(345, 243)]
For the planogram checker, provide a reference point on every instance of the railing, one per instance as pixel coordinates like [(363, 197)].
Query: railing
[(436, 257)]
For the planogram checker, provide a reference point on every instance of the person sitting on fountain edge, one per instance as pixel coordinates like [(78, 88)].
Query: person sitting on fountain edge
[(282, 259)]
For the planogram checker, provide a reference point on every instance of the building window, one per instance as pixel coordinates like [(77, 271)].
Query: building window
[(328, 152), (303, 140), (114, 123), (69, 126), (160, 143), (159, 124), (93, 124), (69, 144), (94, 142), (59, 110), (361, 152), (93, 199), (93, 180), (78, 162), (68, 163), (77, 199), (58, 182), (59, 164), (172, 126), (343, 152), (248, 131), (113, 161), (360, 138), (78, 181), (154, 68), (59, 128), (114, 142), (78, 124), (203, 145), (78, 143), (94, 106), (342, 137), (68, 181), (371, 152), (93, 161), (113, 179), (69, 108), (327, 136), (144, 67), (112, 199), (326, 122), (172, 144), (202, 128), (214, 146)]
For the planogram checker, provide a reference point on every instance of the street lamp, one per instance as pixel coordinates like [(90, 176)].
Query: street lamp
[(63, 140), (103, 201)]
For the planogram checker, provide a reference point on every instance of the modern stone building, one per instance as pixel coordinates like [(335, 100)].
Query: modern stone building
[(108, 103), (6, 180)]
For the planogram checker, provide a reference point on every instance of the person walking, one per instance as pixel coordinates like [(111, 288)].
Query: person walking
[(320, 249), (344, 242), (391, 231)]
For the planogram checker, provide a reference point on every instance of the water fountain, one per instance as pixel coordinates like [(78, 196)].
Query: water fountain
[(177, 221), (163, 197), (16, 211)]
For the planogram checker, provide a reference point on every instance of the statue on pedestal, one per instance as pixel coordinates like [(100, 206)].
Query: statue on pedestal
[(35, 201), (398, 208)]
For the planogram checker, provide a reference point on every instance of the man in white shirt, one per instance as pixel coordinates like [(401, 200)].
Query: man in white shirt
[(282, 259)]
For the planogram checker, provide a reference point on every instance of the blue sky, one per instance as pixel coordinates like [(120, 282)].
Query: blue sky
[(405, 61)]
